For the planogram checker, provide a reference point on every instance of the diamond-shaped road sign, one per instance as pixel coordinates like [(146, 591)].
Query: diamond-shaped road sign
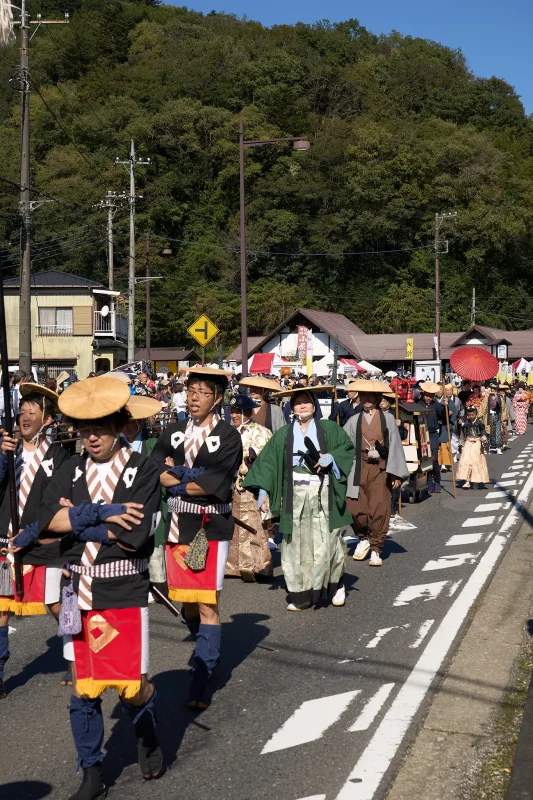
[(203, 330)]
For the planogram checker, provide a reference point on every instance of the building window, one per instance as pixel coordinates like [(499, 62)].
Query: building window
[(55, 322)]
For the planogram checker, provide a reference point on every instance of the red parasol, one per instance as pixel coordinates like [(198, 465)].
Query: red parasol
[(474, 363)]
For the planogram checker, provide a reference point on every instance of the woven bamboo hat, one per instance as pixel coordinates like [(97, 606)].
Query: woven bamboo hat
[(209, 371), (35, 388), (360, 385), (429, 387), (302, 390), (94, 398), (260, 383), (142, 407), (119, 375)]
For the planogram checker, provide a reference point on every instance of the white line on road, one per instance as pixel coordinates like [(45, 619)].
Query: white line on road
[(464, 538), (422, 633), (505, 483), (501, 493), (424, 591), (368, 772), (379, 636), (487, 507), (315, 797), (453, 588), (473, 522), (310, 721), (372, 709), (447, 562)]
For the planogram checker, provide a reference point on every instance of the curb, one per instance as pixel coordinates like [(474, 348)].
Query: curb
[(458, 718)]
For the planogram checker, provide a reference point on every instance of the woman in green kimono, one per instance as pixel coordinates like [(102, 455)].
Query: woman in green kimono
[(301, 475)]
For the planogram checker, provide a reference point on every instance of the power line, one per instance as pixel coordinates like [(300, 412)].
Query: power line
[(33, 191)]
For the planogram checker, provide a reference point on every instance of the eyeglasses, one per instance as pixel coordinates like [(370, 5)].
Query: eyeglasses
[(199, 394)]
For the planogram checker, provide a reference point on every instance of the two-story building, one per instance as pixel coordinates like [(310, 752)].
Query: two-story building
[(78, 325)]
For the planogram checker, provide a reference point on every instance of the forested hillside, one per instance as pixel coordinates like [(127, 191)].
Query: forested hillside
[(400, 129)]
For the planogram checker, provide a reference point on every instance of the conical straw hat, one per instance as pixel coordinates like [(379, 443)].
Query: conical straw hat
[(94, 398)]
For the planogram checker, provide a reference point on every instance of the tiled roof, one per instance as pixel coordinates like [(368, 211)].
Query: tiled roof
[(253, 341), (54, 278)]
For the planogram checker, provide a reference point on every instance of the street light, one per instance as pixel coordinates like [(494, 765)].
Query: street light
[(300, 144)]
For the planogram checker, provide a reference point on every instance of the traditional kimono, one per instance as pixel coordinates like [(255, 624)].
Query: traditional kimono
[(472, 466), (368, 492), (311, 507), (270, 416), (493, 412), (33, 471), (217, 448), (521, 406), (249, 554), (111, 583)]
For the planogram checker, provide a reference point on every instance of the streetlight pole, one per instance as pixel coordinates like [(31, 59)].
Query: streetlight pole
[(438, 220), (298, 143)]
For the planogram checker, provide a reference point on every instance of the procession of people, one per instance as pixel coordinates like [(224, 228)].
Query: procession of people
[(177, 482)]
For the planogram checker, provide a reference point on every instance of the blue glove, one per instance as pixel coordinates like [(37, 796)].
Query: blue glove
[(260, 497), (87, 514), (178, 491), (95, 533), (327, 460), (27, 536), (186, 474)]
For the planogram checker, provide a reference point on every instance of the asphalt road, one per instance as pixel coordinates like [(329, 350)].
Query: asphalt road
[(318, 705)]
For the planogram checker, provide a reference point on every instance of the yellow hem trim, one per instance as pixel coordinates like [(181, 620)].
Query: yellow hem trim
[(21, 609), (193, 596), (88, 687)]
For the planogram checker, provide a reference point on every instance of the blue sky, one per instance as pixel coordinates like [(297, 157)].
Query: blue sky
[(494, 35)]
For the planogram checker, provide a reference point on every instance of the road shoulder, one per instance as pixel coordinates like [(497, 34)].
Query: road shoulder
[(459, 722)]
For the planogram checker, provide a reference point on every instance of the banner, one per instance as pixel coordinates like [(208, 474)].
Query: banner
[(409, 349), (309, 354), (301, 354)]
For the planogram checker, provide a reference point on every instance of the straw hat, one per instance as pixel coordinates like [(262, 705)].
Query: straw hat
[(260, 383), (119, 375), (210, 371), (360, 385), (63, 376), (429, 387), (501, 386), (302, 390), (142, 407), (35, 388), (94, 398)]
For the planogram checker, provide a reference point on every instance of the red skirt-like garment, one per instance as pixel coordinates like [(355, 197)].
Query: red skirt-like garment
[(33, 585), (191, 586)]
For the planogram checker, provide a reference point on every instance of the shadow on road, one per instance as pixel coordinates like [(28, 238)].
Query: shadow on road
[(49, 661), (25, 790), (239, 639)]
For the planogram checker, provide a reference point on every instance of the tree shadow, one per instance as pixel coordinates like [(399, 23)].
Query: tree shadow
[(49, 661), (25, 790), (239, 639)]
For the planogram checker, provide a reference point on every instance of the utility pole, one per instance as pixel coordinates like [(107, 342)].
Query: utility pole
[(26, 206), (148, 358), (473, 314), (111, 202), (438, 219), (132, 163)]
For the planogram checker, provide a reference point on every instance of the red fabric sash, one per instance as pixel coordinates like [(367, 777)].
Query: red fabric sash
[(107, 652), (33, 583), (186, 585)]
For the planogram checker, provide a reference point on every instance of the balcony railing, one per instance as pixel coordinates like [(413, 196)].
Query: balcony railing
[(111, 326), (54, 330)]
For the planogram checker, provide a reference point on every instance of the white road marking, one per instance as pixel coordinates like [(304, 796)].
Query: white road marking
[(464, 538), (487, 507), (515, 474), (368, 772), (310, 721), (422, 633), (501, 493), (447, 562), (315, 797), (379, 636), (372, 709), (473, 522), (505, 483), (424, 591), (453, 588), (11, 630)]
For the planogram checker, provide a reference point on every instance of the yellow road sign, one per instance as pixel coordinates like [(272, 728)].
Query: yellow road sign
[(203, 330)]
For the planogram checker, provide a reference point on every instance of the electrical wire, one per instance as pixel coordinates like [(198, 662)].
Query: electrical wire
[(307, 255), (32, 191)]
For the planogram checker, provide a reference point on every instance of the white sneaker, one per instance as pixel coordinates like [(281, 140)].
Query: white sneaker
[(375, 559), (339, 598), (499, 451), (292, 607), (361, 551)]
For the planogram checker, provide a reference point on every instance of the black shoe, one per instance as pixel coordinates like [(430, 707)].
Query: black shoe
[(198, 693), (3, 692), (481, 486), (92, 785), (148, 749)]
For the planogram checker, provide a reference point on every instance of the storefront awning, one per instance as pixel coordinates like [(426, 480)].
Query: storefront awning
[(261, 362)]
